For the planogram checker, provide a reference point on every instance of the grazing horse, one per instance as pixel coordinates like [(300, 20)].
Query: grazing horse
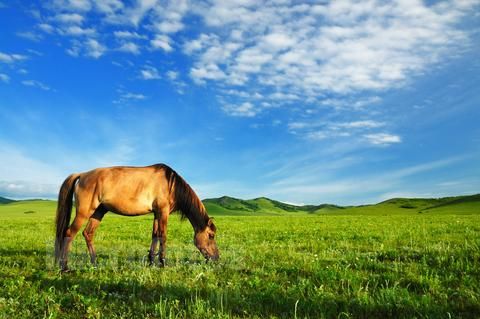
[(130, 191)]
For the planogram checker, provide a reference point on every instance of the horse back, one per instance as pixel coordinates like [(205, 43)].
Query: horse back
[(125, 190)]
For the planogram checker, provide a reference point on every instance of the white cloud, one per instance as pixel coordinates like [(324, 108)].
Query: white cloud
[(36, 84), (245, 109), (161, 42), (4, 78), (133, 96), (135, 15), (289, 52), (11, 58), (149, 73), (35, 52), (129, 47), (342, 47), (168, 16), (361, 124), (45, 27), (207, 72), (195, 45), (297, 125), (170, 26), (284, 96), (94, 49), (32, 36), (125, 97), (128, 35), (75, 30), (357, 131), (278, 41), (71, 5), (172, 75), (109, 7), (89, 48), (383, 138), (69, 18), (332, 125), (74, 50)]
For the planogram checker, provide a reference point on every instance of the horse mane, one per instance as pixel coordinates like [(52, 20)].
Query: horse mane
[(185, 200)]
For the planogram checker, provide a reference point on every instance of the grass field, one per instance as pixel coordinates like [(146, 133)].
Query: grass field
[(360, 262)]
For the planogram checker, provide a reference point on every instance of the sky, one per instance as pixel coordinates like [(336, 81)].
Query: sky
[(306, 102)]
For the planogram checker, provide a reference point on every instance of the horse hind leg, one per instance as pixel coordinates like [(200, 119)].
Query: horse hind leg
[(69, 237), (89, 232)]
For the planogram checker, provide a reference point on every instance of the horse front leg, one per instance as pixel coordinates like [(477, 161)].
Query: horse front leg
[(163, 239), (155, 240)]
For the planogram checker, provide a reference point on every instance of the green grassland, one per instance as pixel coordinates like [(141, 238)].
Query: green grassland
[(404, 258)]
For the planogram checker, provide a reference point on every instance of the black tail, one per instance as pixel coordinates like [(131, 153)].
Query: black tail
[(64, 212)]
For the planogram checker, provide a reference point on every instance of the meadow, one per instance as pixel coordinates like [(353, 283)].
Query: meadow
[(360, 262)]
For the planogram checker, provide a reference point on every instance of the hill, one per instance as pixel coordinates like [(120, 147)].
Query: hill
[(225, 205), (4, 200), (469, 204)]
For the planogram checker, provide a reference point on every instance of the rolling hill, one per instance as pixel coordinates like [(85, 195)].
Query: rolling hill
[(469, 204), (225, 205), (4, 200), (261, 205)]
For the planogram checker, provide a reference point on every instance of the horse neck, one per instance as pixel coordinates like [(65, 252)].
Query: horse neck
[(198, 220), (188, 203), (195, 213)]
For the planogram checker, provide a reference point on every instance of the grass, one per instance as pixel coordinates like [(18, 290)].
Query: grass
[(361, 262)]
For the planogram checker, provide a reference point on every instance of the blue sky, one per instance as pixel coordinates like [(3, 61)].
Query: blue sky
[(306, 102)]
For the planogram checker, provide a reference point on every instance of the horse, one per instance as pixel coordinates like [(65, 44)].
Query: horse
[(130, 191)]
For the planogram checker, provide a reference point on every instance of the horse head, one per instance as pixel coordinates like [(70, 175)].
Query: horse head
[(204, 239)]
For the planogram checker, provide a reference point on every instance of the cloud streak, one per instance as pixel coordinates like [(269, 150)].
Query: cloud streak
[(11, 58), (376, 185), (36, 84)]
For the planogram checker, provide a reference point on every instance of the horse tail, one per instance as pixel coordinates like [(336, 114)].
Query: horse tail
[(64, 212)]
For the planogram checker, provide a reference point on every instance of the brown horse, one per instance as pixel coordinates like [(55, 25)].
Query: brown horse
[(130, 191)]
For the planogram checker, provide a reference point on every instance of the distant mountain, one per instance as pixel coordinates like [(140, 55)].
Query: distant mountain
[(4, 200), (469, 204), (261, 205)]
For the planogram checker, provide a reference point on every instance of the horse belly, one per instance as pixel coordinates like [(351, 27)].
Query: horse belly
[(129, 206)]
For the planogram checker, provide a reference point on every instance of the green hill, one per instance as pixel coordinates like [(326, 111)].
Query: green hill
[(469, 204), (225, 205), (4, 200), (260, 206)]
